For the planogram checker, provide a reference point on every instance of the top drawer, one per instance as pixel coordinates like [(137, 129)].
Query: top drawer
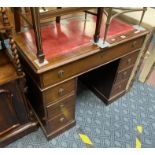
[(88, 63)]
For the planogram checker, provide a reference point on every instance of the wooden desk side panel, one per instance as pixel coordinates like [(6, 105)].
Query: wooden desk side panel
[(139, 59)]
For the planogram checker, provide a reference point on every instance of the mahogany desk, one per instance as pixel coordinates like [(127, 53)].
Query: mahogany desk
[(71, 53)]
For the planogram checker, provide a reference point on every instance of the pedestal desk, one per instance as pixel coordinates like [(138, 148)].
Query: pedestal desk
[(71, 54)]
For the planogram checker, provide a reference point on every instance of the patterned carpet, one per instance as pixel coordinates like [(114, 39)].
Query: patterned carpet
[(106, 126)]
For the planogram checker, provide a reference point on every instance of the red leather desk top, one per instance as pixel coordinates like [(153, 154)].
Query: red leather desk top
[(71, 34)]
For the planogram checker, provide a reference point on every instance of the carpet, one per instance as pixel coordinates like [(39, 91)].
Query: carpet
[(107, 126)]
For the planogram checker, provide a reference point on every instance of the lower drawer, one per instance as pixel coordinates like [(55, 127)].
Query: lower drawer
[(60, 121), (63, 106), (123, 75), (117, 88)]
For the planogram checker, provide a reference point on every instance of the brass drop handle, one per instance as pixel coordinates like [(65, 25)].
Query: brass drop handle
[(61, 74), (134, 44), (62, 119), (61, 92)]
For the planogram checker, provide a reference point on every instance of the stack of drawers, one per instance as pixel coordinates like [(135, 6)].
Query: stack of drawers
[(123, 73), (60, 107), (55, 106), (113, 77)]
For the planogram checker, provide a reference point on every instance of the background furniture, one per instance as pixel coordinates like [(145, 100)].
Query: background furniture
[(16, 119), (110, 15)]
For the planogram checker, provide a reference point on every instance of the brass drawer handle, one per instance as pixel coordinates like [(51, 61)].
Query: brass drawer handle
[(129, 60), (61, 74), (125, 73), (134, 44), (61, 106), (61, 92), (61, 119)]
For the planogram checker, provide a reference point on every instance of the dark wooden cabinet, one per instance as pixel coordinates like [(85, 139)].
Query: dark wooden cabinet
[(8, 116), (16, 119), (13, 111)]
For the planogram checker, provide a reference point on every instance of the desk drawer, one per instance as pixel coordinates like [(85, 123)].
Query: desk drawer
[(128, 60), (60, 91), (117, 88), (60, 107), (88, 63), (60, 121), (121, 76)]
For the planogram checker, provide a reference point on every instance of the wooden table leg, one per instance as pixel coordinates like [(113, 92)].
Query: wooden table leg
[(58, 18), (107, 23), (98, 24)]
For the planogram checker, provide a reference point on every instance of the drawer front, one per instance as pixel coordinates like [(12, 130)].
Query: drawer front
[(60, 91), (88, 63), (117, 88), (128, 60), (123, 75), (60, 121), (61, 107)]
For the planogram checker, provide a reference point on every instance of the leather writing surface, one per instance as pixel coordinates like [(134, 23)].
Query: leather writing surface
[(72, 33)]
